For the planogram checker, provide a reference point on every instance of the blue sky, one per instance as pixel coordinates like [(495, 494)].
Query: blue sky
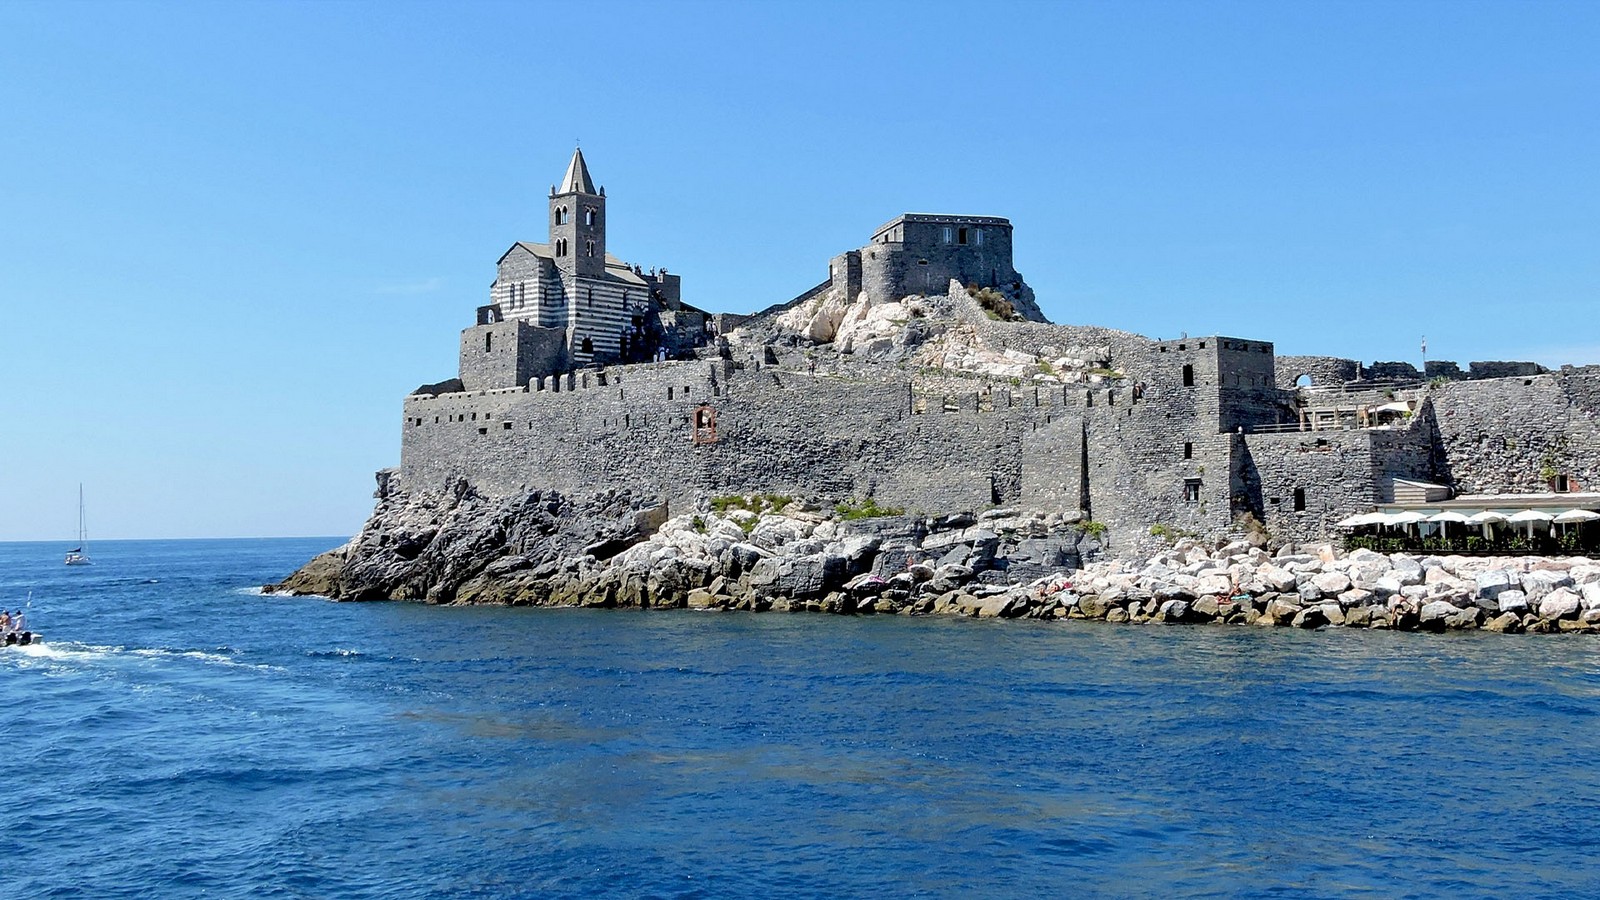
[(234, 235)]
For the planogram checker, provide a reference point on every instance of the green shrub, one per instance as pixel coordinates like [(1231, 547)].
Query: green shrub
[(1096, 530), (756, 503), (994, 303), (866, 509)]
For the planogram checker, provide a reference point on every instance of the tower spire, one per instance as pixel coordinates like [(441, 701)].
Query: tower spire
[(577, 180)]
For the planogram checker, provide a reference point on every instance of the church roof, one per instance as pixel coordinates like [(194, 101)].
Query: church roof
[(616, 269), (577, 180)]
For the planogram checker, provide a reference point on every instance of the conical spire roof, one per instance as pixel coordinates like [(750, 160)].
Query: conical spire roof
[(577, 179)]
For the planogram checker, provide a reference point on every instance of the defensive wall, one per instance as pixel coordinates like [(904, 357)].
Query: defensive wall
[(1207, 437), (1333, 371)]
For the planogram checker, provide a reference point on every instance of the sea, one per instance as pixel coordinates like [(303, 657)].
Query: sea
[(178, 734)]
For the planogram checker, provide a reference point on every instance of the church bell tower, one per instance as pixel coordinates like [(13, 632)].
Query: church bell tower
[(578, 222)]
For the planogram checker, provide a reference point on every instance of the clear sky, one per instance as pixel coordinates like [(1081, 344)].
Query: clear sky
[(234, 235)]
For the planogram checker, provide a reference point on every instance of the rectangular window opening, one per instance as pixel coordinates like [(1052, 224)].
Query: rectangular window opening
[(1191, 490), (1188, 376), (1299, 499), (1188, 450)]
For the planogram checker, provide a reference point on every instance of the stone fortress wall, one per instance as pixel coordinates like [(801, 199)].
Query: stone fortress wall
[(1189, 434), (1197, 447)]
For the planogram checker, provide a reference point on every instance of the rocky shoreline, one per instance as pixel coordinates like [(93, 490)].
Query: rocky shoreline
[(766, 553)]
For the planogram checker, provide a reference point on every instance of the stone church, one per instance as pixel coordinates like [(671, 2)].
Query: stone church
[(568, 303)]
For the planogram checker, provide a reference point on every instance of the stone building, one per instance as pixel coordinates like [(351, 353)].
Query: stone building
[(563, 385), (568, 303)]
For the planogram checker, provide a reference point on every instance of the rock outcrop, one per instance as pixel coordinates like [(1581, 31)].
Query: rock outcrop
[(613, 549)]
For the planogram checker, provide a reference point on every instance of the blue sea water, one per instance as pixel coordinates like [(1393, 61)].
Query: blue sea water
[(180, 735)]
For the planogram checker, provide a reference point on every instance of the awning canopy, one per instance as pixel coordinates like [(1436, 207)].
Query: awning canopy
[(1398, 406)]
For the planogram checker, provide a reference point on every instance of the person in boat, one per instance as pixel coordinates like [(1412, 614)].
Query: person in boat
[(5, 623), (18, 624)]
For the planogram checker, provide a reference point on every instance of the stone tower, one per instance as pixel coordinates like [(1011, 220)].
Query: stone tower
[(578, 222)]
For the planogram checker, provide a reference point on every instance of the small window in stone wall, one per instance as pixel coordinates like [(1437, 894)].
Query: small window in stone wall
[(705, 426), (1188, 376), (1191, 490), (961, 235), (977, 236), (1188, 450), (946, 233), (1299, 499), (488, 341)]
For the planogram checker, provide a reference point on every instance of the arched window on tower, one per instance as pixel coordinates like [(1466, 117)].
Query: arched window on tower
[(588, 248), (588, 215)]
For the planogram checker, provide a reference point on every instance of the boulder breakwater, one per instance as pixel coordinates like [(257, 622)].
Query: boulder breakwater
[(770, 553)]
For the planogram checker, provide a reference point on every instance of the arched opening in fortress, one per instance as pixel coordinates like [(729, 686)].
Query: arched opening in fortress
[(705, 426), (1304, 381)]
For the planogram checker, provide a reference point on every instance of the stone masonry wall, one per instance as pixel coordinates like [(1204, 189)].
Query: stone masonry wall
[(777, 430), (1510, 434), (1325, 371)]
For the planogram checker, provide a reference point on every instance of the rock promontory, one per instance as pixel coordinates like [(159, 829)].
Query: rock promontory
[(774, 553)]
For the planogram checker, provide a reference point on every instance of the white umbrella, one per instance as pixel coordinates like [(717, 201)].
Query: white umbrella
[(1576, 515), (1485, 518), (1448, 515), (1356, 521), (1408, 517), (1530, 516)]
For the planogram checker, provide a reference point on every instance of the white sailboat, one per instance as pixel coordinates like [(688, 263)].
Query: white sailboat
[(79, 555)]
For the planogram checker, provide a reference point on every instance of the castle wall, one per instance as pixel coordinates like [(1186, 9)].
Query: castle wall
[(1052, 465), (1512, 434), (506, 354), (1325, 371), (844, 272), (793, 432), (911, 255), (1337, 474)]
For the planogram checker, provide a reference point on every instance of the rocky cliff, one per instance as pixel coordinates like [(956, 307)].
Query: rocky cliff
[(613, 549)]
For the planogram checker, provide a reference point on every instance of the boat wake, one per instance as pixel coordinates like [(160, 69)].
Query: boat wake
[(84, 655)]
